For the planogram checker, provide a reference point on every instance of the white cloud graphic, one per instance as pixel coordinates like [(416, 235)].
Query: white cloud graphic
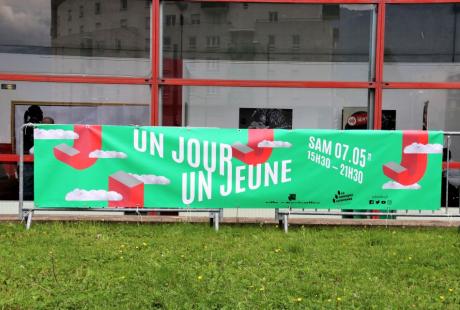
[(396, 185), (107, 154), (93, 195), (418, 148), (151, 179), (54, 134), (274, 144)]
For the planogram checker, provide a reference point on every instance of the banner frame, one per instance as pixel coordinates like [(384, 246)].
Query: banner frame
[(216, 215)]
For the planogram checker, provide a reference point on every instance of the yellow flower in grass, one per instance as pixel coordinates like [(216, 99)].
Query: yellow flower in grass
[(144, 244), (298, 299), (339, 299), (200, 278), (451, 290), (442, 297)]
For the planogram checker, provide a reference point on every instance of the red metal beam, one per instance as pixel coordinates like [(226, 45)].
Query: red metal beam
[(452, 165), (15, 158), (293, 1), (73, 79), (421, 85), (155, 75), (420, 1), (266, 83)]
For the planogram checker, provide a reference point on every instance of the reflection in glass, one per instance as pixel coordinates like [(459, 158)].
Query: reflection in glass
[(75, 34), (266, 41), (422, 42), (242, 107), (64, 104)]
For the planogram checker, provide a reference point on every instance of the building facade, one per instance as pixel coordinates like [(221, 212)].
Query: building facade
[(213, 63)]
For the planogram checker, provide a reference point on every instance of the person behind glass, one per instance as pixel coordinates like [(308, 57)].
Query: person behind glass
[(48, 120), (34, 115)]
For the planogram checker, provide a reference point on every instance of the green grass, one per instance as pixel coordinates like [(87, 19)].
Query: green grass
[(126, 266)]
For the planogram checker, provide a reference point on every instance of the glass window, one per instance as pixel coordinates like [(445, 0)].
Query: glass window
[(239, 107), (46, 38), (118, 44), (331, 11), (195, 19), (123, 4), (273, 17), (421, 42), (97, 8), (296, 41), (213, 41), (170, 20), (65, 104), (424, 109), (271, 41), (166, 42), (192, 42), (330, 44)]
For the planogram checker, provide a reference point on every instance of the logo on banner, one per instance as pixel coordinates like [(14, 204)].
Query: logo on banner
[(380, 200), (342, 197)]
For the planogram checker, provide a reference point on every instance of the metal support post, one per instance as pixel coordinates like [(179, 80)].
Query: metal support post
[(29, 219), (285, 223), (21, 171), (447, 174), (216, 221)]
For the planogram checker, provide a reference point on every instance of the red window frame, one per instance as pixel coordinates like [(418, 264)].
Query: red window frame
[(155, 81)]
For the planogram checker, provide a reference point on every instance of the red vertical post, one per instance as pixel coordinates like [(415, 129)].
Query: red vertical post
[(379, 60), (155, 47)]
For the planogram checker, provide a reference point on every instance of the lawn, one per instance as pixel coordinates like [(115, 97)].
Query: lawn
[(129, 266)]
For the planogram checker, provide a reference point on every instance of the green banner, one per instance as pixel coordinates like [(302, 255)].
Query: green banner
[(171, 167)]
